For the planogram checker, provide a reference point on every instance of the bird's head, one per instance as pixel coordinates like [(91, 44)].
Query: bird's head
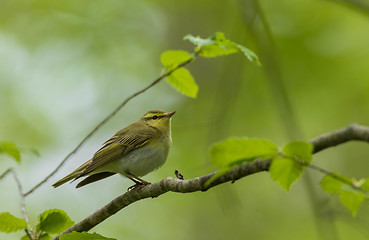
[(158, 119)]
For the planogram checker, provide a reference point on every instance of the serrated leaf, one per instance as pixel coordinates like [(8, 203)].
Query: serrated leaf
[(10, 149), (182, 80), (285, 171), (333, 183), (249, 54), (350, 197), (218, 45), (83, 236), (198, 41), (54, 221), (234, 151), (300, 150), (172, 58), (10, 223), (351, 200)]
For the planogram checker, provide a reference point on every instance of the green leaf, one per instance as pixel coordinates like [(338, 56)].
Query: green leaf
[(83, 236), (285, 171), (10, 149), (333, 183), (234, 151), (25, 237), (54, 221), (198, 41), (221, 46), (249, 54), (182, 80), (301, 150), (351, 197), (35, 152), (172, 58), (218, 45), (363, 184), (9, 223)]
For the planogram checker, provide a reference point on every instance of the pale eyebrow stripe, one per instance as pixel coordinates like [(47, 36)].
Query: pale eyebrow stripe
[(159, 116)]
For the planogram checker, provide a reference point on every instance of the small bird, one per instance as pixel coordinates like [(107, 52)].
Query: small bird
[(133, 152)]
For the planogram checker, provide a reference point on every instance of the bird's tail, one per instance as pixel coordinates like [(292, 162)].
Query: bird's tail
[(72, 176), (66, 179)]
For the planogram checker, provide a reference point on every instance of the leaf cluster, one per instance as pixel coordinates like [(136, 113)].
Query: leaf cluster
[(287, 166), (214, 46), (49, 224)]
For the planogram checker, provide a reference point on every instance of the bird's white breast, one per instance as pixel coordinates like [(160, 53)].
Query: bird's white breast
[(142, 161)]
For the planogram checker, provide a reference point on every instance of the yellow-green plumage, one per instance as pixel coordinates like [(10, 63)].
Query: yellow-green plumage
[(132, 152)]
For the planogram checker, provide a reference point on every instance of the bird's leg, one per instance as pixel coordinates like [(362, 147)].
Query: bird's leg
[(138, 181)]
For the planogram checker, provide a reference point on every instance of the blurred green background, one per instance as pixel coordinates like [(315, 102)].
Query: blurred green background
[(65, 65)]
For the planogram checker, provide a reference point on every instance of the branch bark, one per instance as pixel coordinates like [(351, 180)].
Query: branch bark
[(353, 132)]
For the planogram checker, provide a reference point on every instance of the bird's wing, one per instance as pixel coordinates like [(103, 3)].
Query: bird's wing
[(119, 145), (94, 178)]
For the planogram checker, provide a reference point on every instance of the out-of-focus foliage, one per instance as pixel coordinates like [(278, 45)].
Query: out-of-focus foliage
[(217, 45), (83, 236), (66, 64), (351, 192), (10, 149), (10, 223), (53, 221), (235, 150)]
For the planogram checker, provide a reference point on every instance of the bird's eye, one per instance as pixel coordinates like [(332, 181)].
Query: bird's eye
[(154, 117)]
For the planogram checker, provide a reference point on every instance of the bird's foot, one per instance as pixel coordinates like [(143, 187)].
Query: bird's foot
[(138, 185)]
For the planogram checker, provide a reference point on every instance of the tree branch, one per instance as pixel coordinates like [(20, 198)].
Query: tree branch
[(350, 133), (353, 132), (20, 191), (116, 110)]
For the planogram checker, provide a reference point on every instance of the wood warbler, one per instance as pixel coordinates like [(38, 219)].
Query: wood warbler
[(132, 152)]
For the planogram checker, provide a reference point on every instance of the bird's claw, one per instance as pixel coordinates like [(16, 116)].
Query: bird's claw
[(138, 185)]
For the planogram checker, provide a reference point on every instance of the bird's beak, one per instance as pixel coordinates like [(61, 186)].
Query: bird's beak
[(170, 114)]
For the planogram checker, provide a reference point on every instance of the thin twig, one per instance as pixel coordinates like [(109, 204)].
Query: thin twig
[(29, 235), (21, 195), (5, 173), (120, 106), (20, 190), (350, 133)]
